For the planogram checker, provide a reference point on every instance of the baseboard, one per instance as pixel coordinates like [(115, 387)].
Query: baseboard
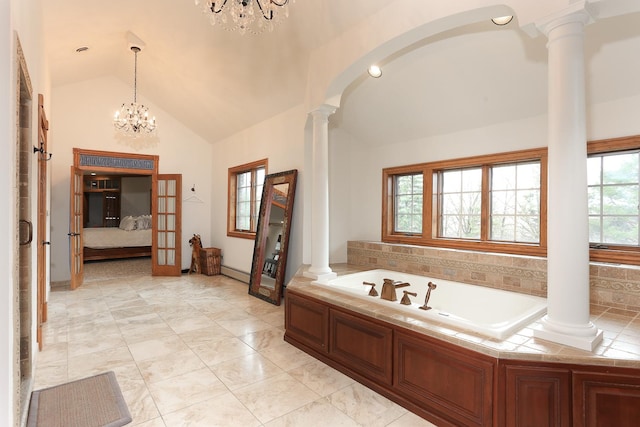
[(241, 276), (64, 284)]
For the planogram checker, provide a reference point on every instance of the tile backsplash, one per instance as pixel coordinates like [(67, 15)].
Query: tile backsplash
[(612, 286)]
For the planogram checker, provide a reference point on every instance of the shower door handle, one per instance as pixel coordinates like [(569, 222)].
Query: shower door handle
[(29, 238)]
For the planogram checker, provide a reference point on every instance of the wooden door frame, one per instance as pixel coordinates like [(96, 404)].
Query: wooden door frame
[(112, 163), (42, 243)]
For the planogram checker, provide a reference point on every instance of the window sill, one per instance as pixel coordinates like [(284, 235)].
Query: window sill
[(242, 234)]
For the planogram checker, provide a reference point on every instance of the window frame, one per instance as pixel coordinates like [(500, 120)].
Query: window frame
[(614, 253), (233, 173), (431, 208)]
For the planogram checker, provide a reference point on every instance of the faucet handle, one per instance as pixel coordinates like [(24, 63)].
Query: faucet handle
[(372, 291), (405, 298)]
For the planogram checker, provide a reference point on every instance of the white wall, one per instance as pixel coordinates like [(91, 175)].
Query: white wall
[(279, 139), (81, 117)]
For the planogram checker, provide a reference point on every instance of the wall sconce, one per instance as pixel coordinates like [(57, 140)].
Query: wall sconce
[(43, 154)]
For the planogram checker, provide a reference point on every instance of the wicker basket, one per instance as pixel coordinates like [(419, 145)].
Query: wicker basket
[(210, 261)]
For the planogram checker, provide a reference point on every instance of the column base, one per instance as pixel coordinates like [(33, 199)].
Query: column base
[(585, 337), (320, 275)]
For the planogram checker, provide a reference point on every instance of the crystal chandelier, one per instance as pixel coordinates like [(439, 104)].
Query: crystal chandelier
[(246, 15), (133, 119)]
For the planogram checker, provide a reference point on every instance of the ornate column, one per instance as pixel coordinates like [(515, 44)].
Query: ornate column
[(320, 269), (567, 320)]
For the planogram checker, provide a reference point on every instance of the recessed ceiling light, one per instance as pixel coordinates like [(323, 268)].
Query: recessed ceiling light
[(374, 71), (82, 49), (502, 20)]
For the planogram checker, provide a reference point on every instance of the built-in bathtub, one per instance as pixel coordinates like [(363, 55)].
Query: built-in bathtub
[(491, 312)]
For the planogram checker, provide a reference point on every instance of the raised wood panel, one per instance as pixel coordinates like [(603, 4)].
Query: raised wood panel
[(537, 396), (361, 345), (456, 384), (307, 322), (606, 399)]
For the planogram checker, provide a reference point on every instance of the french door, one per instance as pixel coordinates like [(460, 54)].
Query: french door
[(75, 228), (167, 218)]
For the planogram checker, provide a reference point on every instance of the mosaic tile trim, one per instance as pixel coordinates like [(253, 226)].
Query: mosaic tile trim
[(611, 286)]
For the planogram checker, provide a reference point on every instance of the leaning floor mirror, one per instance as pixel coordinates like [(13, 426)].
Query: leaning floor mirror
[(272, 236)]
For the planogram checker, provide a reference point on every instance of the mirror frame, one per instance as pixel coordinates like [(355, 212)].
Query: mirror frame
[(274, 296)]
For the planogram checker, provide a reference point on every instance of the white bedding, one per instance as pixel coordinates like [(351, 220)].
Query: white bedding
[(114, 237)]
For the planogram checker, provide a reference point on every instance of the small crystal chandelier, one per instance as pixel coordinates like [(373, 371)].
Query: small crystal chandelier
[(133, 119), (245, 15)]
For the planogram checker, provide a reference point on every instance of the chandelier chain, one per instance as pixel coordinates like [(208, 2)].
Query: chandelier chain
[(134, 119)]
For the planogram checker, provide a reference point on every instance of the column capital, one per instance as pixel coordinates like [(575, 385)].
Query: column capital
[(323, 111), (577, 12)]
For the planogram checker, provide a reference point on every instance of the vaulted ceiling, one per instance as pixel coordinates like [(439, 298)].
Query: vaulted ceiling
[(214, 81), (218, 83)]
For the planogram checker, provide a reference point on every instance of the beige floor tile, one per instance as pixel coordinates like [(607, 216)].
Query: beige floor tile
[(205, 335), (319, 411), (242, 371), (365, 406), (190, 323), (223, 411), (216, 352), (411, 420), (156, 422), (321, 378), (185, 390), (105, 360), (264, 339), (157, 347), (99, 343), (169, 366), (286, 356), (243, 326), (290, 393)]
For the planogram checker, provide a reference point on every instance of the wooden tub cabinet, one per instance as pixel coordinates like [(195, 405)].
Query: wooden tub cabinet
[(450, 385)]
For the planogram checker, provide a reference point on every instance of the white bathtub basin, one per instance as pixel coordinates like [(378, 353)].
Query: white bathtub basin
[(491, 312)]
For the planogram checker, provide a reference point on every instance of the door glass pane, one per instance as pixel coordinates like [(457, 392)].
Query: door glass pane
[(162, 188), (162, 205), (171, 188), (162, 222), (162, 240), (171, 205), (171, 240), (171, 257), (171, 222), (162, 259)]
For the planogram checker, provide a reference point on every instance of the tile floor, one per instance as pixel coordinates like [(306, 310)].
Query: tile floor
[(198, 351)]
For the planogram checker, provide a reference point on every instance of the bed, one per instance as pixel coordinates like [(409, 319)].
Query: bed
[(132, 239)]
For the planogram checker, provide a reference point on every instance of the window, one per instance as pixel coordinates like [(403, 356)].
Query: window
[(492, 203), (613, 179), (408, 203), (497, 203), (613, 198), (515, 202), (460, 208), (245, 191)]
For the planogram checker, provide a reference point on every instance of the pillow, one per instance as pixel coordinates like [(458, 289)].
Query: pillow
[(128, 223), (143, 222)]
